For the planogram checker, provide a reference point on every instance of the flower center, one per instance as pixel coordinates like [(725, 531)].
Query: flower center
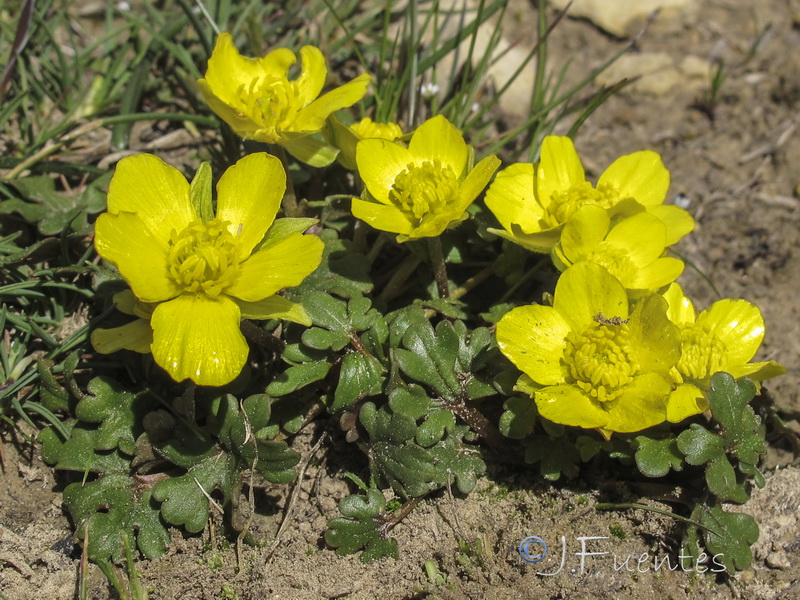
[(702, 353), (423, 189), (273, 102), (204, 257), (600, 359), (563, 205)]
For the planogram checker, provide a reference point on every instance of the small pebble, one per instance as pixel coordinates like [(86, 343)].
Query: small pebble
[(778, 560)]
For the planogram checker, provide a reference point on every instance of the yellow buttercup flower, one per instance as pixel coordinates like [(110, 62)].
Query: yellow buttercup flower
[(632, 250), (724, 337), (534, 202), (195, 274), (258, 100), (588, 360), (420, 190), (346, 137)]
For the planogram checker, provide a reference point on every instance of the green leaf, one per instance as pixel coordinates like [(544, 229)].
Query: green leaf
[(78, 452), (184, 499), (341, 272), (699, 445), (111, 508), (741, 438), (518, 418), (361, 527), (411, 401), (117, 412), (297, 377), (323, 339), (53, 396), (723, 483), (555, 455), (434, 428), (239, 433), (656, 457), (360, 376), (729, 534)]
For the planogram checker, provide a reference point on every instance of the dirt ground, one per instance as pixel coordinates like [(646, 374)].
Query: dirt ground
[(735, 166)]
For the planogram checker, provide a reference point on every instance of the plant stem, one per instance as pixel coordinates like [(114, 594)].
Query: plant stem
[(439, 268)]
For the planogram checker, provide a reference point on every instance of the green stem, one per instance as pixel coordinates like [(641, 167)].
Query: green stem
[(473, 282), (439, 268), (666, 513)]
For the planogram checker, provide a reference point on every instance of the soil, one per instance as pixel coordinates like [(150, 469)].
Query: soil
[(734, 165)]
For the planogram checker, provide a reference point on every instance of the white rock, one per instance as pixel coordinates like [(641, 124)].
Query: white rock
[(658, 72), (622, 18)]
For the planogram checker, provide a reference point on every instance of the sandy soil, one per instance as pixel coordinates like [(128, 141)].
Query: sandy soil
[(739, 174)]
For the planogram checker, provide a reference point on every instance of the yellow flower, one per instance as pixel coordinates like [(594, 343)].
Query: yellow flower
[(632, 250), (533, 202), (200, 276), (346, 137), (419, 191), (724, 337), (256, 98), (588, 360)]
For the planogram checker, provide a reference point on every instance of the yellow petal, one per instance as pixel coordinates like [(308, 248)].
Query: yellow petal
[(146, 185), (438, 139), (641, 176), (684, 402), (587, 290), (642, 404), (312, 118), (381, 216), (533, 338), (228, 71), (681, 309), (312, 76), (559, 168), (657, 274), (757, 371), (510, 198), (242, 125), (475, 182), (541, 241), (655, 339), (141, 258), (283, 264), (249, 195), (136, 335), (584, 232), (677, 221), (274, 307), (379, 163), (738, 325), (197, 337), (642, 238), (567, 405)]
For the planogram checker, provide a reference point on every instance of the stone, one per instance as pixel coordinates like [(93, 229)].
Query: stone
[(623, 18)]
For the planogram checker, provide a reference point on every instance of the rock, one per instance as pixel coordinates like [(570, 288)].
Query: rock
[(778, 560), (623, 18), (658, 73)]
